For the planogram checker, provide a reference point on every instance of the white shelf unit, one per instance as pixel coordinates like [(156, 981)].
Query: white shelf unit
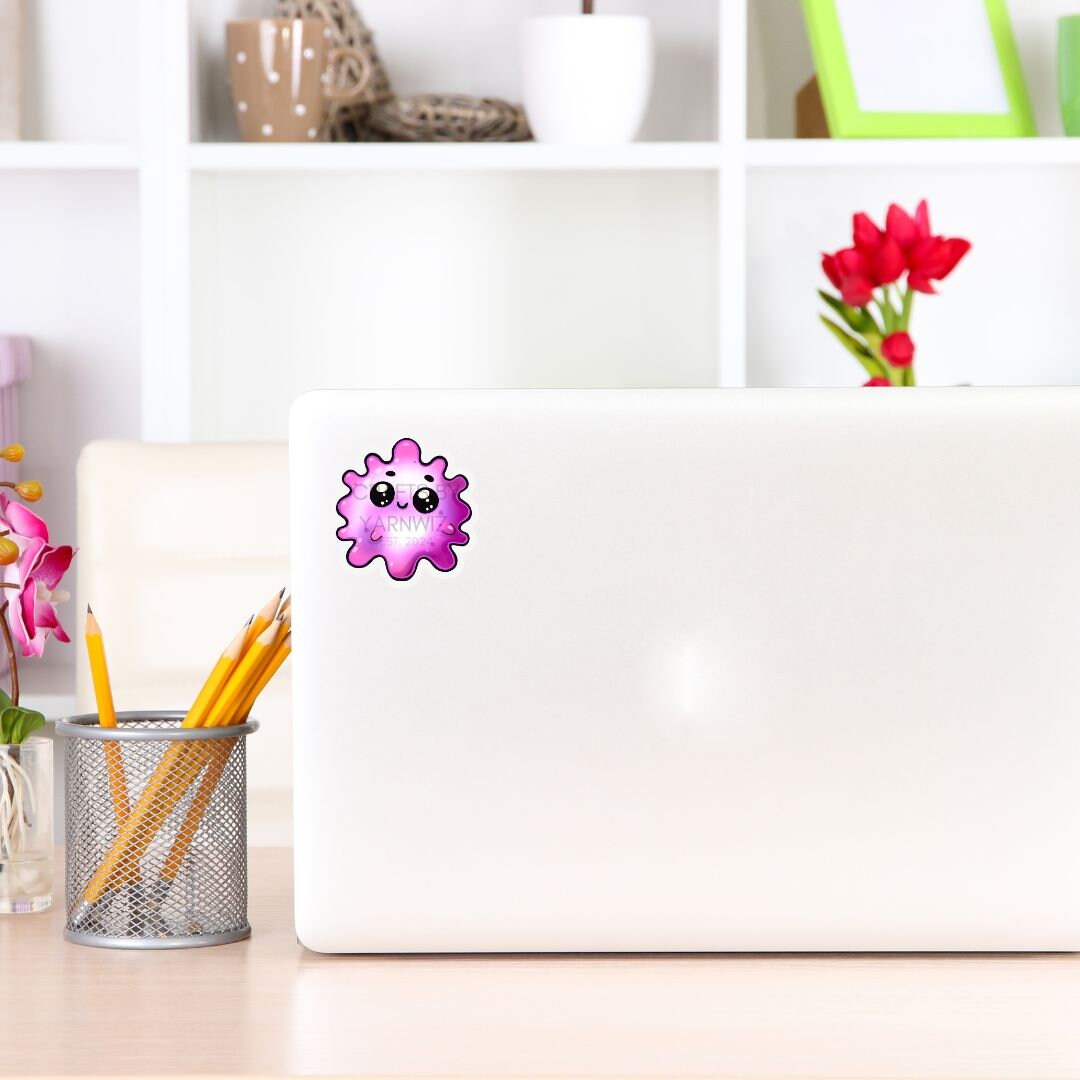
[(210, 281), (454, 265)]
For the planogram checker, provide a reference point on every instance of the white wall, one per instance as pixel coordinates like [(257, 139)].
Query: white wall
[(445, 279), (81, 70), (69, 279)]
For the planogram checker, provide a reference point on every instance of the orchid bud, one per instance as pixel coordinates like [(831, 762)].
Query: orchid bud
[(13, 453), (9, 551), (30, 490)]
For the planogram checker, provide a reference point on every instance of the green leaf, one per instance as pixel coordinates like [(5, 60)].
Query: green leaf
[(9, 717), (852, 344), (870, 363), (859, 319), (32, 721), (18, 724), (5, 701)]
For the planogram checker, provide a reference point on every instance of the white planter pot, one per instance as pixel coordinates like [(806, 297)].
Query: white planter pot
[(586, 77)]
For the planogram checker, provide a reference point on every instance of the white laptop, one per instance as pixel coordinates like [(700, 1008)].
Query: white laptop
[(669, 670)]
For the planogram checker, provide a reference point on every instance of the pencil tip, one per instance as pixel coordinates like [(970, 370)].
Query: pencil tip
[(282, 593), (89, 610)]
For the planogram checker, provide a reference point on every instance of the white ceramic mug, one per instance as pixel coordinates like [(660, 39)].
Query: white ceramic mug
[(586, 77)]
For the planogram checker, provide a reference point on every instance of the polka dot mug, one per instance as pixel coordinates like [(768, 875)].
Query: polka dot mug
[(282, 73)]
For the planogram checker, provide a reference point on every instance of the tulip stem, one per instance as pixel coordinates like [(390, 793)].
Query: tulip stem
[(905, 308), (13, 662)]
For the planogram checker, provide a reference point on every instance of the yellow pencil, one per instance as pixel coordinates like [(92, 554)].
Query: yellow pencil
[(218, 759), (218, 756), (237, 673), (159, 798), (114, 761), (277, 658), (263, 618), (179, 766), (243, 677), (204, 702)]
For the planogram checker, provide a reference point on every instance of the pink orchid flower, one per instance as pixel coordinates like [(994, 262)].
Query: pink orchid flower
[(37, 573)]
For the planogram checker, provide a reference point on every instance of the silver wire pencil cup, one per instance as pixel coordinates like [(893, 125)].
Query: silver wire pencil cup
[(156, 832)]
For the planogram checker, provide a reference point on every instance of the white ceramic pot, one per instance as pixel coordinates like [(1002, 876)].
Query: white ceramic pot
[(586, 78)]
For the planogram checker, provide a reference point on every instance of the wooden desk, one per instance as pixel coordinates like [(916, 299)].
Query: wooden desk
[(266, 1006)]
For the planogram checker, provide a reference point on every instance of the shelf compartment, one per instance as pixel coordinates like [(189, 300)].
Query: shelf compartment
[(1004, 317), (443, 46)]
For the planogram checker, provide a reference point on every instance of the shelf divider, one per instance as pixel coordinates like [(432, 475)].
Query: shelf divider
[(732, 224), (164, 209)]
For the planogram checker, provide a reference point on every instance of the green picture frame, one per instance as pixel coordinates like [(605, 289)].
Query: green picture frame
[(848, 121)]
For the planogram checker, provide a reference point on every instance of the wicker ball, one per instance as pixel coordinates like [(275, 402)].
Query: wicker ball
[(378, 116), (447, 118)]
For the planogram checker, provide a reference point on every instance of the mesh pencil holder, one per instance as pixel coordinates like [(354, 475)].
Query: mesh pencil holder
[(156, 832)]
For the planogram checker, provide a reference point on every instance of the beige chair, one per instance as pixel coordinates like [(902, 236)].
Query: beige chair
[(178, 544)]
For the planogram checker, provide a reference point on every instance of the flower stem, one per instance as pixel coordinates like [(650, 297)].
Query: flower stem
[(13, 662)]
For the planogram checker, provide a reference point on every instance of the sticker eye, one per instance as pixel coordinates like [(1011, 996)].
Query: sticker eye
[(382, 494), (425, 500)]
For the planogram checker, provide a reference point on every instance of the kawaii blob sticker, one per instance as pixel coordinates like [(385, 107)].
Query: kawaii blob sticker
[(403, 510)]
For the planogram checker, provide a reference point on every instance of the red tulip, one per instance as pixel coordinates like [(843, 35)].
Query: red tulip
[(877, 380), (875, 259), (883, 254), (928, 258), (849, 271), (934, 260), (898, 349), (906, 230)]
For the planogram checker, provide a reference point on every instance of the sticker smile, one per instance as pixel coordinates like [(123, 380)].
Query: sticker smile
[(402, 506)]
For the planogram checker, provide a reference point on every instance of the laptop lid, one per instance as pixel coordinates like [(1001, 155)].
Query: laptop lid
[(686, 670)]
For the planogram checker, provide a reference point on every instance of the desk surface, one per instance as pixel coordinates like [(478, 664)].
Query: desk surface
[(266, 1006)]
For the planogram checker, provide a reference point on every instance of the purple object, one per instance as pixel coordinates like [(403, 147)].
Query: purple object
[(14, 369), (403, 514)]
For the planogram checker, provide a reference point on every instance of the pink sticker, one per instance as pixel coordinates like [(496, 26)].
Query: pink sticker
[(402, 511)]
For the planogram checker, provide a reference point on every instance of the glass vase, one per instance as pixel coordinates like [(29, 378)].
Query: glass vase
[(26, 834)]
